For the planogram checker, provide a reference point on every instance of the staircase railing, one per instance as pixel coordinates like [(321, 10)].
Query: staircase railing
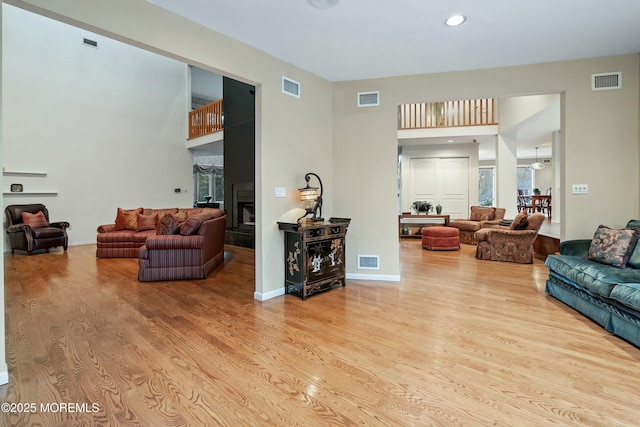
[(466, 112), (206, 120)]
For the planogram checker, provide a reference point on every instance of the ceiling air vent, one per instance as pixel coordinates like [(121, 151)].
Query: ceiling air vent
[(368, 99), (369, 262), (606, 81), (290, 87), (90, 43)]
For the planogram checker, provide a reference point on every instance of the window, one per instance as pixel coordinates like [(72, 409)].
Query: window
[(525, 180), (486, 186), (209, 185)]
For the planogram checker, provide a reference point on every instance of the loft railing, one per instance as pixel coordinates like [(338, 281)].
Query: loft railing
[(205, 120), (466, 112)]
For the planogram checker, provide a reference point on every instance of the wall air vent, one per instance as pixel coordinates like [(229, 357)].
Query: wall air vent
[(606, 81), (290, 87), (368, 99), (90, 43), (369, 262)]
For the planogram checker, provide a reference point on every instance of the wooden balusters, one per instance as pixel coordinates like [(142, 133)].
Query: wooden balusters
[(465, 112), (206, 120)]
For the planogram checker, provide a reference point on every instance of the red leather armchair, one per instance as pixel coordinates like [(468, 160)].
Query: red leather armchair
[(36, 232)]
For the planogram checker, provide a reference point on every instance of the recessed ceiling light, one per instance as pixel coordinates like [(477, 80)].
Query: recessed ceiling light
[(322, 4), (455, 20)]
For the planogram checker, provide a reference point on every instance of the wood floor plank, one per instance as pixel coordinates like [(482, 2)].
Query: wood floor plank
[(457, 342)]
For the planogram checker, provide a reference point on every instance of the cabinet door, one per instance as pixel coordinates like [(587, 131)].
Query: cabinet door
[(325, 259)]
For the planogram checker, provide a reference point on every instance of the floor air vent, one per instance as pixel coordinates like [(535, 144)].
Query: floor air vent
[(369, 262), (606, 81), (290, 87), (368, 99)]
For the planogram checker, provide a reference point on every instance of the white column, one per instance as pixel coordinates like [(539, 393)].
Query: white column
[(556, 155), (506, 175)]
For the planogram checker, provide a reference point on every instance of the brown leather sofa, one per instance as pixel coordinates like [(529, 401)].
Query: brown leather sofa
[(43, 235), (481, 217)]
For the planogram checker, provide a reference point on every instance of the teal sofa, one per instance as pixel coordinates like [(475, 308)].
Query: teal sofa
[(608, 295)]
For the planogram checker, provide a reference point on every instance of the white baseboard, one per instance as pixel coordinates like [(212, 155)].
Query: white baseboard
[(4, 374), (273, 294), (379, 277)]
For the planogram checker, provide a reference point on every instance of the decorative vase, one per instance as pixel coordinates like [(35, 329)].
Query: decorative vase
[(438, 209), (405, 230)]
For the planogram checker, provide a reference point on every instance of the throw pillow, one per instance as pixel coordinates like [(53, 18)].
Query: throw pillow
[(634, 259), (613, 247), (480, 213), (168, 225), (181, 216), (127, 219), (147, 222), (193, 223), (37, 220), (520, 222)]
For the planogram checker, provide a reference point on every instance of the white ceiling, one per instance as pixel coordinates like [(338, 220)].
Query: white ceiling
[(359, 39)]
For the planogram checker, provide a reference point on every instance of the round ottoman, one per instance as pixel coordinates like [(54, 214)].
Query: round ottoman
[(441, 238)]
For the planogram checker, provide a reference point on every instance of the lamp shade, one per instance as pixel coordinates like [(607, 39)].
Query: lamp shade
[(308, 193)]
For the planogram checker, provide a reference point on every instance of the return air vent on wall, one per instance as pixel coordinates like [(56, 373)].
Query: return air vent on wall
[(368, 99), (606, 81), (290, 87), (369, 262), (90, 43)]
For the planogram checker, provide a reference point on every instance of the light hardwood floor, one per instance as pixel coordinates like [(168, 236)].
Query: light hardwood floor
[(457, 342)]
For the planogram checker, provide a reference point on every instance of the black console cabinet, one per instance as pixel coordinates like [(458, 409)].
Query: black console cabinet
[(314, 255)]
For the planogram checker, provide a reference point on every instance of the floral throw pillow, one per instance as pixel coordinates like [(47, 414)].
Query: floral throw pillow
[(479, 213), (168, 224), (520, 222), (613, 247)]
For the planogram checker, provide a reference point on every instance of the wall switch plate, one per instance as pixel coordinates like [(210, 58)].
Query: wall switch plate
[(281, 192), (579, 189)]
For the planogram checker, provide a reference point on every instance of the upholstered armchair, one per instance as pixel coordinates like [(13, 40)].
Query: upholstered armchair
[(513, 243), (481, 217), (29, 228)]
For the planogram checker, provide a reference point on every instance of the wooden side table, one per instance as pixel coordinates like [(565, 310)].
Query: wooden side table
[(414, 223)]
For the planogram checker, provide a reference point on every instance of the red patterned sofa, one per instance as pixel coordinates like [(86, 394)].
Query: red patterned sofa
[(193, 247), (481, 217)]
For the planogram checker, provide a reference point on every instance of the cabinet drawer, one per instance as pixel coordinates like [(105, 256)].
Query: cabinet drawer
[(338, 229), (316, 232)]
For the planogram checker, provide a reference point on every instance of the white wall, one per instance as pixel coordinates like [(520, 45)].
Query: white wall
[(107, 125), (206, 84), (469, 151), (4, 370), (293, 136)]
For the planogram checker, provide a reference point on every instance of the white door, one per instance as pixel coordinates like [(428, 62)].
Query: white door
[(443, 181)]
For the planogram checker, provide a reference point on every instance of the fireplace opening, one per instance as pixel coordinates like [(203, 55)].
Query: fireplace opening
[(246, 216), (242, 215)]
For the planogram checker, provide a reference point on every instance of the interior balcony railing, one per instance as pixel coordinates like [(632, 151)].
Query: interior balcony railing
[(466, 112), (206, 120)]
